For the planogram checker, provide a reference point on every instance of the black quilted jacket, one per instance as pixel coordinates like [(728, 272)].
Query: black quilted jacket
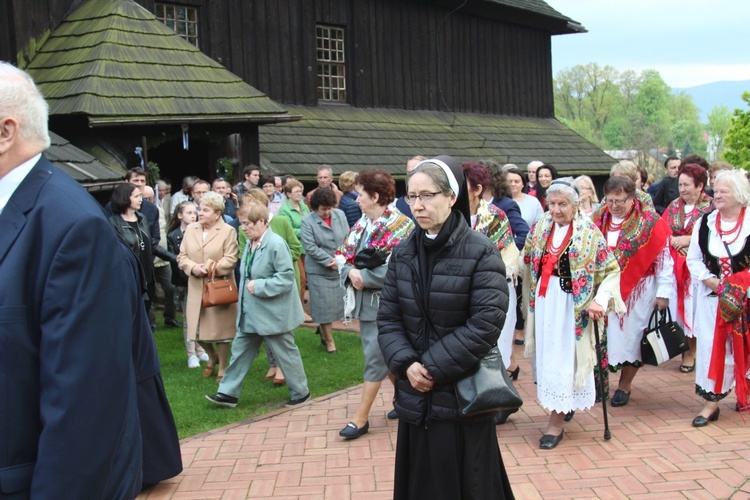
[(466, 306)]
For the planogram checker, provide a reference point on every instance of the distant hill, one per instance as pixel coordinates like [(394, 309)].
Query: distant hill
[(717, 93)]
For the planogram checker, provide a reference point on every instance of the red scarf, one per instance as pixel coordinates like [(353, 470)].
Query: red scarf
[(732, 320), (642, 237)]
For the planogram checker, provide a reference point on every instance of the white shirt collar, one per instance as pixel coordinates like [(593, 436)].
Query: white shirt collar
[(13, 179)]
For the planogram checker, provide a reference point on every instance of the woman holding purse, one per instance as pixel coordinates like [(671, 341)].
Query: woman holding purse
[(210, 242)]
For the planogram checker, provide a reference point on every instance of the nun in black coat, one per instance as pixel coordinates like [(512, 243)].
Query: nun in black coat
[(442, 308)]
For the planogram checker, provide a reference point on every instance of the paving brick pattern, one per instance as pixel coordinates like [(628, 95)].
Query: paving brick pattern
[(654, 451)]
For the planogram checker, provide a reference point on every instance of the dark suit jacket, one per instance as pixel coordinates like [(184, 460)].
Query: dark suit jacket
[(68, 409), (517, 224)]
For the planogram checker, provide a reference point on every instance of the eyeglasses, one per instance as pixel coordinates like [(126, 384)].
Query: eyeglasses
[(616, 203), (423, 197)]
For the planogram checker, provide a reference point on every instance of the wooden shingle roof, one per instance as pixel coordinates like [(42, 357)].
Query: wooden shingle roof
[(114, 62), (79, 164), (357, 138)]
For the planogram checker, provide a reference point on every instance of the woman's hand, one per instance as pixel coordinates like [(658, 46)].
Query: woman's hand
[(595, 311), (333, 265), (681, 243), (355, 276), (419, 377), (713, 284), (199, 270), (250, 285), (661, 303)]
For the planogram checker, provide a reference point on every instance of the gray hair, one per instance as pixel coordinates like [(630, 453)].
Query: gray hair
[(565, 186), (436, 174), (213, 200), (325, 167), (509, 166), (738, 183), (21, 100)]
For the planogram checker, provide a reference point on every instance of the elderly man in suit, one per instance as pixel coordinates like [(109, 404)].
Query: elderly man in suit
[(269, 310), (68, 408)]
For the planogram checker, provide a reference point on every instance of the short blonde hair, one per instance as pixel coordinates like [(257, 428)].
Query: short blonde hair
[(254, 212), (254, 195), (625, 168), (291, 184), (214, 201), (347, 181)]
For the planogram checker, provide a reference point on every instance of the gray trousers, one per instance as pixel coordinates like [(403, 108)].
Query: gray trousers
[(245, 349)]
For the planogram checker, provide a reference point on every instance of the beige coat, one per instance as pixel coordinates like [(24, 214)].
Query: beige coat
[(220, 246)]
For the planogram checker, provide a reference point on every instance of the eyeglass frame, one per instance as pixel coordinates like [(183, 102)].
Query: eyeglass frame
[(411, 198), (617, 203)]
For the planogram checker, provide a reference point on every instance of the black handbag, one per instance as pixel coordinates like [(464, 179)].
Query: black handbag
[(369, 258), (488, 388), (663, 339)]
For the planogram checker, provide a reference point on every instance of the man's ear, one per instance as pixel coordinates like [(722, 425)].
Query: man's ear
[(8, 134)]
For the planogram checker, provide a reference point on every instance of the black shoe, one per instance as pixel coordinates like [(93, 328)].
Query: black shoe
[(701, 421), (569, 415), (502, 416), (222, 400), (514, 374), (351, 431), (392, 415), (518, 342), (548, 441), (295, 402), (620, 398), (173, 322)]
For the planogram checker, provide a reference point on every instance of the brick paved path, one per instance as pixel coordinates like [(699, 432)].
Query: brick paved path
[(654, 451)]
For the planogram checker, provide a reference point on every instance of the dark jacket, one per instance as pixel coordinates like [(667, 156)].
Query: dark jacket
[(517, 223), (132, 240), (468, 300), (348, 205), (151, 212), (174, 240), (404, 207), (667, 192)]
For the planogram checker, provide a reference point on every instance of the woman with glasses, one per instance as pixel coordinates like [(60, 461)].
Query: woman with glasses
[(639, 239), (681, 215), (571, 278), (719, 259), (362, 261), (444, 299)]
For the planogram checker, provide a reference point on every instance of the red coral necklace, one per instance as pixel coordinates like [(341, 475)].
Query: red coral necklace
[(735, 229)]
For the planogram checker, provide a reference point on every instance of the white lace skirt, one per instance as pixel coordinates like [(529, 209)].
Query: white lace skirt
[(505, 342), (624, 333), (555, 353)]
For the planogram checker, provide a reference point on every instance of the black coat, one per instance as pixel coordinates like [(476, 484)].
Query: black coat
[(348, 205), (174, 240), (466, 305)]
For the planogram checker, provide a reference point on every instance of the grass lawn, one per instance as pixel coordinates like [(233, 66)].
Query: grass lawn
[(186, 388)]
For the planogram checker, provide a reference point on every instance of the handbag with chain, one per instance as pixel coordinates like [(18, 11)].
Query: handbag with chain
[(487, 389), (218, 290), (663, 339)]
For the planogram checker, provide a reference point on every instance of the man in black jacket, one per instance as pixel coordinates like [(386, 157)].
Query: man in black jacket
[(666, 190)]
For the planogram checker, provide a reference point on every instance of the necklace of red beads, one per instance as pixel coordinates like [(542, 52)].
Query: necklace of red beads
[(557, 250), (733, 230)]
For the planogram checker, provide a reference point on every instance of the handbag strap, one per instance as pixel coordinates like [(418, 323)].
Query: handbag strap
[(211, 271), (665, 316), (653, 321)]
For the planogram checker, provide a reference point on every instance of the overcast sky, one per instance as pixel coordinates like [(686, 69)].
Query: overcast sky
[(690, 42)]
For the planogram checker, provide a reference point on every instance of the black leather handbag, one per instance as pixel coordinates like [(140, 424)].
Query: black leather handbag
[(487, 389), (663, 339)]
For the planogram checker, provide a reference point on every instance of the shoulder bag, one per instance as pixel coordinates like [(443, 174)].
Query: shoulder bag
[(663, 339), (488, 388), (219, 290)]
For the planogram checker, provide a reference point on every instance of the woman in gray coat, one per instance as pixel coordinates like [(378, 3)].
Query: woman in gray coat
[(269, 309), (323, 231)]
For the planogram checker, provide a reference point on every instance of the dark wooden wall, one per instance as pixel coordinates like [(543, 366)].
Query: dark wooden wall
[(400, 54)]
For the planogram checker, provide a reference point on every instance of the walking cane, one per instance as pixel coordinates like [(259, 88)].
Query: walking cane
[(600, 360)]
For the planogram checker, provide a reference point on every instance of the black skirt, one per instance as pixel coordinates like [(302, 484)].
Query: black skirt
[(161, 446), (451, 461)]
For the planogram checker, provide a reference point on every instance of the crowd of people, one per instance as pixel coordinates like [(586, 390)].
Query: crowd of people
[(473, 256)]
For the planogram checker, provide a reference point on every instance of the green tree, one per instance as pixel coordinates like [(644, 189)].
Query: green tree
[(737, 140), (718, 123)]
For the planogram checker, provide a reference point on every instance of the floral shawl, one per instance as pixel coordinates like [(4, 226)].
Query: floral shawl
[(643, 236), (390, 228), (493, 223), (675, 217), (593, 268)]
